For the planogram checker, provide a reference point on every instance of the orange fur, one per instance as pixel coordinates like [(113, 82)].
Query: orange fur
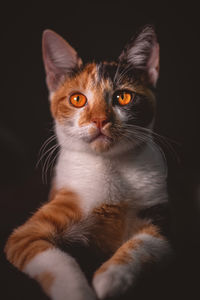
[(152, 230), (123, 254), (109, 227), (113, 226), (60, 106), (97, 110), (40, 231)]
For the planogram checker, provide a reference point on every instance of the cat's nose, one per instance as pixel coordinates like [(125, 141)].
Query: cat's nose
[(100, 122)]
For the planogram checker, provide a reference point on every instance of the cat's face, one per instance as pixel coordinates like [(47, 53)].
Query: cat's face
[(102, 107)]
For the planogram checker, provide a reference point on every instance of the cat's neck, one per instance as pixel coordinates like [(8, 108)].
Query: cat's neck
[(86, 162), (99, 179)]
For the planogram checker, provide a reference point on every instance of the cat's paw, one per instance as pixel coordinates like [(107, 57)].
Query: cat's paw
[(112, 282)]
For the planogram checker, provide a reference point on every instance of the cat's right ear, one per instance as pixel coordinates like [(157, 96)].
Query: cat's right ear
[(59, 59), (142, 53)]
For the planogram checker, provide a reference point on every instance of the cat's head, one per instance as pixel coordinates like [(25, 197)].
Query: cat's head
[(102, 107)]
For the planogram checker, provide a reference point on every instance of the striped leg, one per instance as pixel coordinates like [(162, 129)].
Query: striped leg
[(120, 272), (32, 249)]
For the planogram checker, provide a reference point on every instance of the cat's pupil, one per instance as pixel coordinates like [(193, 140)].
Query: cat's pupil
[(77, 98), (122, 96)]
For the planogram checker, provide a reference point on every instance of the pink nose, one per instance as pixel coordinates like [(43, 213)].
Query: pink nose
[(100, 122)]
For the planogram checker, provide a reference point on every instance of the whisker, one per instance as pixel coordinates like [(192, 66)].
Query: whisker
[(53, 162), (134, 134), (49, 162), (43, 155), (49, 140), (46, 163), (164, 141)]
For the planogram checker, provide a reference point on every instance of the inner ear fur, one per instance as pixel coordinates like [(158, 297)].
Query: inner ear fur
[(59, 58), (142, 53)]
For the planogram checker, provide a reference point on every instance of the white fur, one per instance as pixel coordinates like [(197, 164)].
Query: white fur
[(113, 282), (151, 245), (69, 281), (98, 179), (120, 114), (118, 278)]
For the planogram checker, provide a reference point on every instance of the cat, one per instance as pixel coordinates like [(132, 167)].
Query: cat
[(108, 172)]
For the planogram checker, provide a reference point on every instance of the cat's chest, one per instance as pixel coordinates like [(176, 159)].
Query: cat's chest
[(98, 180), (94, 180)]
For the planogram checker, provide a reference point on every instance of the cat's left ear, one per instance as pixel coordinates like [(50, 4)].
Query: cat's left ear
[(59, 59), (142, 53)]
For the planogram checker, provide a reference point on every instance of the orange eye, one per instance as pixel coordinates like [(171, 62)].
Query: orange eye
[(78, 100), (124, 97)]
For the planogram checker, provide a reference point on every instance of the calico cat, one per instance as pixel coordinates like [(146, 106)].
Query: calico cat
[(108, 173)]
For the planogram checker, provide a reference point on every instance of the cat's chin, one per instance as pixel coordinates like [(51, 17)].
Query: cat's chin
[(101, 143)]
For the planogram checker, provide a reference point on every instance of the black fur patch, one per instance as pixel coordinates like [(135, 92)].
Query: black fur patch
[(140, 110), (160, 216), (106, 70)]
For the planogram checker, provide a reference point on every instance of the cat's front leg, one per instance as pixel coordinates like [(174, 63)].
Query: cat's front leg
[(33, 248), (121, 271)]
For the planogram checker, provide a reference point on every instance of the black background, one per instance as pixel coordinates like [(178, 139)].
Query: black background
[(99, 30)]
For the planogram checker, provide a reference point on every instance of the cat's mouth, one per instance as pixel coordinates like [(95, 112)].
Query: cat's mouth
[(100, 139), (101, 142), (100, 136)]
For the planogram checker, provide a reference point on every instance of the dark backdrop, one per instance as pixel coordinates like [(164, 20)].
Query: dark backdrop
[(98, 30)]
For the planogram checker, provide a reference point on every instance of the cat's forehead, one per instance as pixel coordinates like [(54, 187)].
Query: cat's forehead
[(94, 76), (91, 79), (106, 71), (104, 77)]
